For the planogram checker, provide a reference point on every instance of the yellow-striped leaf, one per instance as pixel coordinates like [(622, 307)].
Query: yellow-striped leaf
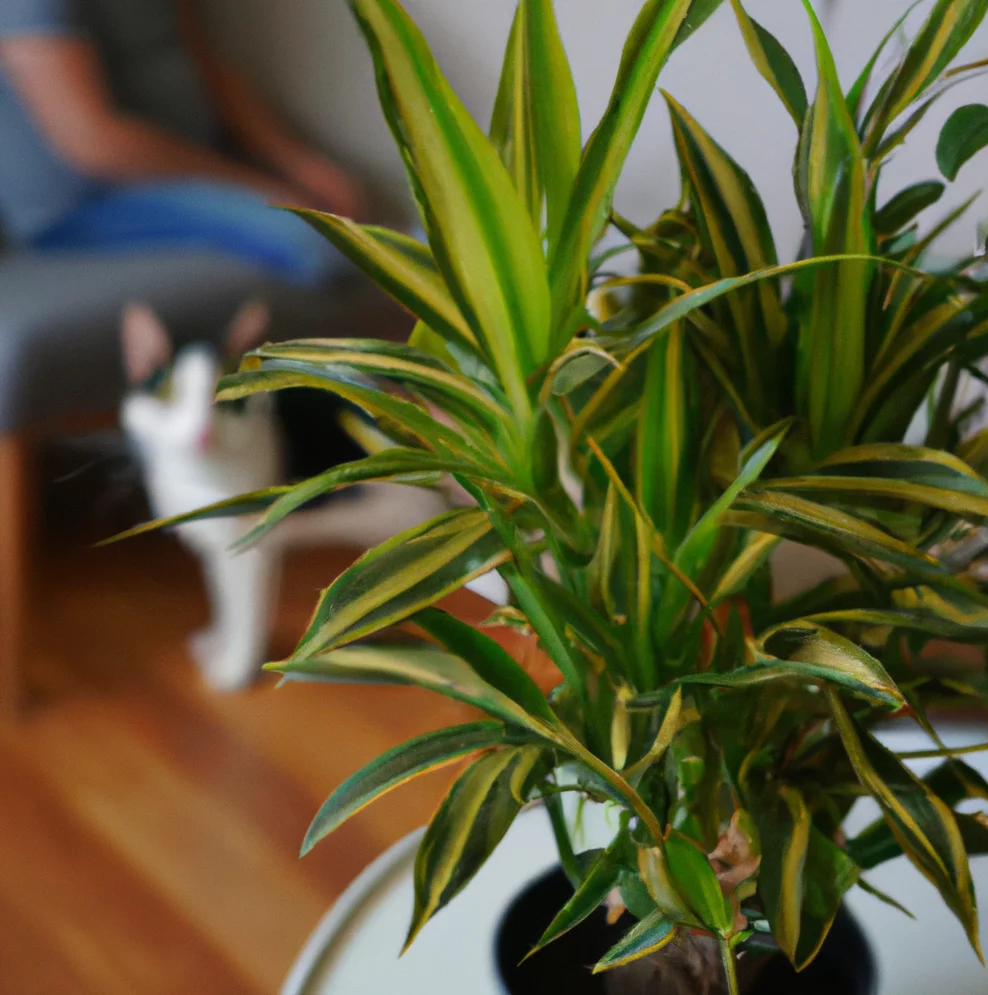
[(648, 937), (399, 265), (736, 228), (600, 879), (652, 38), (398, 766), (923, 824), (817, 524), (959, 502), (784, 827), (244, 504), (833, 186), (470, 823), (512, 126), (419, 664), (774, 63), (947, 30), (667, 437), (397, 465), (404, 575), (481, 235), (488, 659), (401, 363), (843, 662), (555, 112), (402, 419)]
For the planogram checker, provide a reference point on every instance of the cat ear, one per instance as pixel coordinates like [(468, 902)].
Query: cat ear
[(145, 343), (248, 328)]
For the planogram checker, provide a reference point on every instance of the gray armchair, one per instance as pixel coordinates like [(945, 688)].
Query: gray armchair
[(60, 369)]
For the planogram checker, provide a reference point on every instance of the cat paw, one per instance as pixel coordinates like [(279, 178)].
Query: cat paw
[(231, 673), (204, 646)]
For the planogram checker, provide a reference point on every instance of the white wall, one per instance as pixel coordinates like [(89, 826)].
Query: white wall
[(308, 56)]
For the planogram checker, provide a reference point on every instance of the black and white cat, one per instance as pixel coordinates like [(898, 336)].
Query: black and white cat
[(194, 453)]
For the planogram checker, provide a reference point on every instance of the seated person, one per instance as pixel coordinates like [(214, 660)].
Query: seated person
[(121, 128)]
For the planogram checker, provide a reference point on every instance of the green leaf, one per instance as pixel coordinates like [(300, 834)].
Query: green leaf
[(393, 414), (418, 664), (481, 235), (829, 875), (244, 504), (951, 613), (758, 455), (401, 266), (906, 205), (666, 439), (813, 873), (802, 651), (470, 823), (549, 627), (398, 766), (849, 665), (512, 126), (671, 724), (856, 94), (735, 230), (958, 502), (410, 572), (598, 882), (696, 880), (833, 186), (404, 364), (784, 826), (774, 63), (964, 135), (700, 13), (488, 659), (870, 889), (648, 937), (398, 465), (684, 306), (652, 38), (757, 549), (946, 31), (555, 111), (952, 782), (696, 548), (828, 528), (924, 825)]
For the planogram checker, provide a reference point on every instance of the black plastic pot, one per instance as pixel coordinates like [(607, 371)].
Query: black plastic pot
[(845, 965)]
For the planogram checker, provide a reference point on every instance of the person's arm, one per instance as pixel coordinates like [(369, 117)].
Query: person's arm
[(263, 134), (62, 83)]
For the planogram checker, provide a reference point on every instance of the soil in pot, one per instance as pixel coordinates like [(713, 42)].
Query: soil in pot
[(844, 967)]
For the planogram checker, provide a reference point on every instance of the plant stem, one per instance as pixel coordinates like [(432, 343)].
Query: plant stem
[(730, 969), (554, 806)]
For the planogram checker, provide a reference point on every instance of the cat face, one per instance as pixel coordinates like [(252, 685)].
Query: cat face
[(170, 402)]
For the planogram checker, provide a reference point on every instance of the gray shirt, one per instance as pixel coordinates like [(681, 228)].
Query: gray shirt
[(150, 72)]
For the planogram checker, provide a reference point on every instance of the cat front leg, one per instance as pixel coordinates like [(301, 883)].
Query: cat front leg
[(243, 591)]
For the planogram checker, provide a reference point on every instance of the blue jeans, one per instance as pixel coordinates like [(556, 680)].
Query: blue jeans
[(202, 215)]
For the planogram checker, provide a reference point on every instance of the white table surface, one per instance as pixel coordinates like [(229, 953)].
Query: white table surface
[(355, 950)]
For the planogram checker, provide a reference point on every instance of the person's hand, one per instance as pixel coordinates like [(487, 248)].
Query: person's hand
[(331, 188)]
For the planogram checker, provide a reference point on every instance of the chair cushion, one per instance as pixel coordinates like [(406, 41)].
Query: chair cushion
[(59, 320)]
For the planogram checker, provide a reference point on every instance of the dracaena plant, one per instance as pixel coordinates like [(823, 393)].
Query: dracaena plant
[(625, 471)]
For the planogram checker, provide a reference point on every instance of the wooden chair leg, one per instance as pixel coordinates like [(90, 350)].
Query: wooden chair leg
[(17, 503)]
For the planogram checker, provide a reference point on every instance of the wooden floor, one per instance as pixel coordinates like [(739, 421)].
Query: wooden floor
[(149, 829)]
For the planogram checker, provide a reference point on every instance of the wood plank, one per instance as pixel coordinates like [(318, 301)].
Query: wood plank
[(153, 826), (74, 915), (18, 494), (249, 900)]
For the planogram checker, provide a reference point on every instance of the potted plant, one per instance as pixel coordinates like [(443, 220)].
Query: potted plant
[(632, 466)]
